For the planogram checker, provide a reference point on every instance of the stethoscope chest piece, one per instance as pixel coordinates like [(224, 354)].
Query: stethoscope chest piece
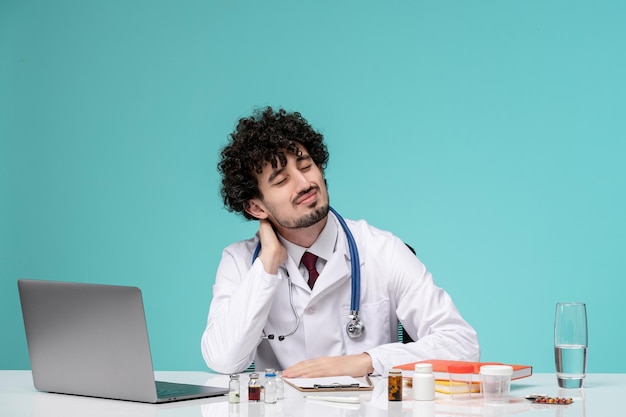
[(355, 327)]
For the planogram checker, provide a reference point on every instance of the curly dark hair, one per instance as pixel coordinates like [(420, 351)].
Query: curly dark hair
[(265, 137)]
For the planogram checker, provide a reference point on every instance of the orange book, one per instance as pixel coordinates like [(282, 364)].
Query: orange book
[(440, 368)]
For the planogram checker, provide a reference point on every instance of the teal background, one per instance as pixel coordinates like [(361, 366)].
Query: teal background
[(488, 134)]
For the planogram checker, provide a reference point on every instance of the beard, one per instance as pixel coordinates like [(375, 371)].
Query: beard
[(318, 214), (307, 220)]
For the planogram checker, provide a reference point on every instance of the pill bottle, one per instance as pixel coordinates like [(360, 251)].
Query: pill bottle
[(423, 382), (394, 389)]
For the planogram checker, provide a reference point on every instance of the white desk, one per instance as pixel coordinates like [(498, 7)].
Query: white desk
[(601, 396)]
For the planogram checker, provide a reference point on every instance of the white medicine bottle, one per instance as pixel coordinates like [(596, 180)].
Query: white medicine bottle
[(423, 382)]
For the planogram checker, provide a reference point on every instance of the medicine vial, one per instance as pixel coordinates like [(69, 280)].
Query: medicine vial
[(233, 389), (254, 388), (423, 382), (280, 386), (270, 386), (394, 389)]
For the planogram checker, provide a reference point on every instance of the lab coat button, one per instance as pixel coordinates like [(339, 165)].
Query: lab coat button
[(310, 310)]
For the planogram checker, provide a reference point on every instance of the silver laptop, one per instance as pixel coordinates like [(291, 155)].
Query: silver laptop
[(92, 340)]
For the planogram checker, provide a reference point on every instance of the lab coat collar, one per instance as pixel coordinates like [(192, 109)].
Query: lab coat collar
[(337, 267)]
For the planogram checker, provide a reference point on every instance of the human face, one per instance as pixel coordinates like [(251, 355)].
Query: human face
[(294, 196)]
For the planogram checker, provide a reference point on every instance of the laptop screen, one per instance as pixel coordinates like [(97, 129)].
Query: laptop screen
[(88, 339)]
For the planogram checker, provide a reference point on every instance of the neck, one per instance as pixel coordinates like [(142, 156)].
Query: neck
[(304, 236)]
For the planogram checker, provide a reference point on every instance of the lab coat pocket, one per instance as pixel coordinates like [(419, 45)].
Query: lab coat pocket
[(375, 319)]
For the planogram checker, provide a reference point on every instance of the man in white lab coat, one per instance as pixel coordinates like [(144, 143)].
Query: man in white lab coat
[(282, 314)]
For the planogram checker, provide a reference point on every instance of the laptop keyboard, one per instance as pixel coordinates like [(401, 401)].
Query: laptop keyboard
[(172, 389), (171, 392)]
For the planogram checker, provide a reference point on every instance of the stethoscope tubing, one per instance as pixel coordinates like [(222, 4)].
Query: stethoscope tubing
[(355, 327), (355, 263)]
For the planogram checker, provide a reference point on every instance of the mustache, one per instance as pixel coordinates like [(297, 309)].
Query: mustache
[(302, 193)]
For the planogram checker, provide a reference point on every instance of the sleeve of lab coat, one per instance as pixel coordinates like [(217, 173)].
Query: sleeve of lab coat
[(241, 302), (427, 314)]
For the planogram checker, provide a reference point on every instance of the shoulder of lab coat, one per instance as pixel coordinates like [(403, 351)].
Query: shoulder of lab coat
[(426, 311)]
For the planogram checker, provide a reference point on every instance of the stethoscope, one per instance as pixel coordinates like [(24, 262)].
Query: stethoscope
[(355, 327)]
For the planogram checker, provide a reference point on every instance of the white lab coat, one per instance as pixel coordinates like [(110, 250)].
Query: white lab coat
[(395, 285)]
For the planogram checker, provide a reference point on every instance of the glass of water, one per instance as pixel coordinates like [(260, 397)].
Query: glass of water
[(570, 344)]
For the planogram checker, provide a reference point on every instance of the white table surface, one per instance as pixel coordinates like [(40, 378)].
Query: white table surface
[(601, 396)]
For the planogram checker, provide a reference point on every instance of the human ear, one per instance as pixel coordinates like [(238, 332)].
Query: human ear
[(256, 209)]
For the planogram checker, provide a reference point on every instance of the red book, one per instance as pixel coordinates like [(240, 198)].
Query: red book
[(440, 368)]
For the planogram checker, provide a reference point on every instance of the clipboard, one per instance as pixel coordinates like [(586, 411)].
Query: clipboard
[(331, 384)]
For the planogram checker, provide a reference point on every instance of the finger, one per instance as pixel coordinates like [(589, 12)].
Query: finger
[(266, 231), (273, 253), (313, 368), (298, 370)]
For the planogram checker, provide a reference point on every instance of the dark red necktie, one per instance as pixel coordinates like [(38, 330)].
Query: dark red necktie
[(309, 260)]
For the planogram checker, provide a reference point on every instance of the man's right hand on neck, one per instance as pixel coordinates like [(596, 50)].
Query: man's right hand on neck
[(273, 253)]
